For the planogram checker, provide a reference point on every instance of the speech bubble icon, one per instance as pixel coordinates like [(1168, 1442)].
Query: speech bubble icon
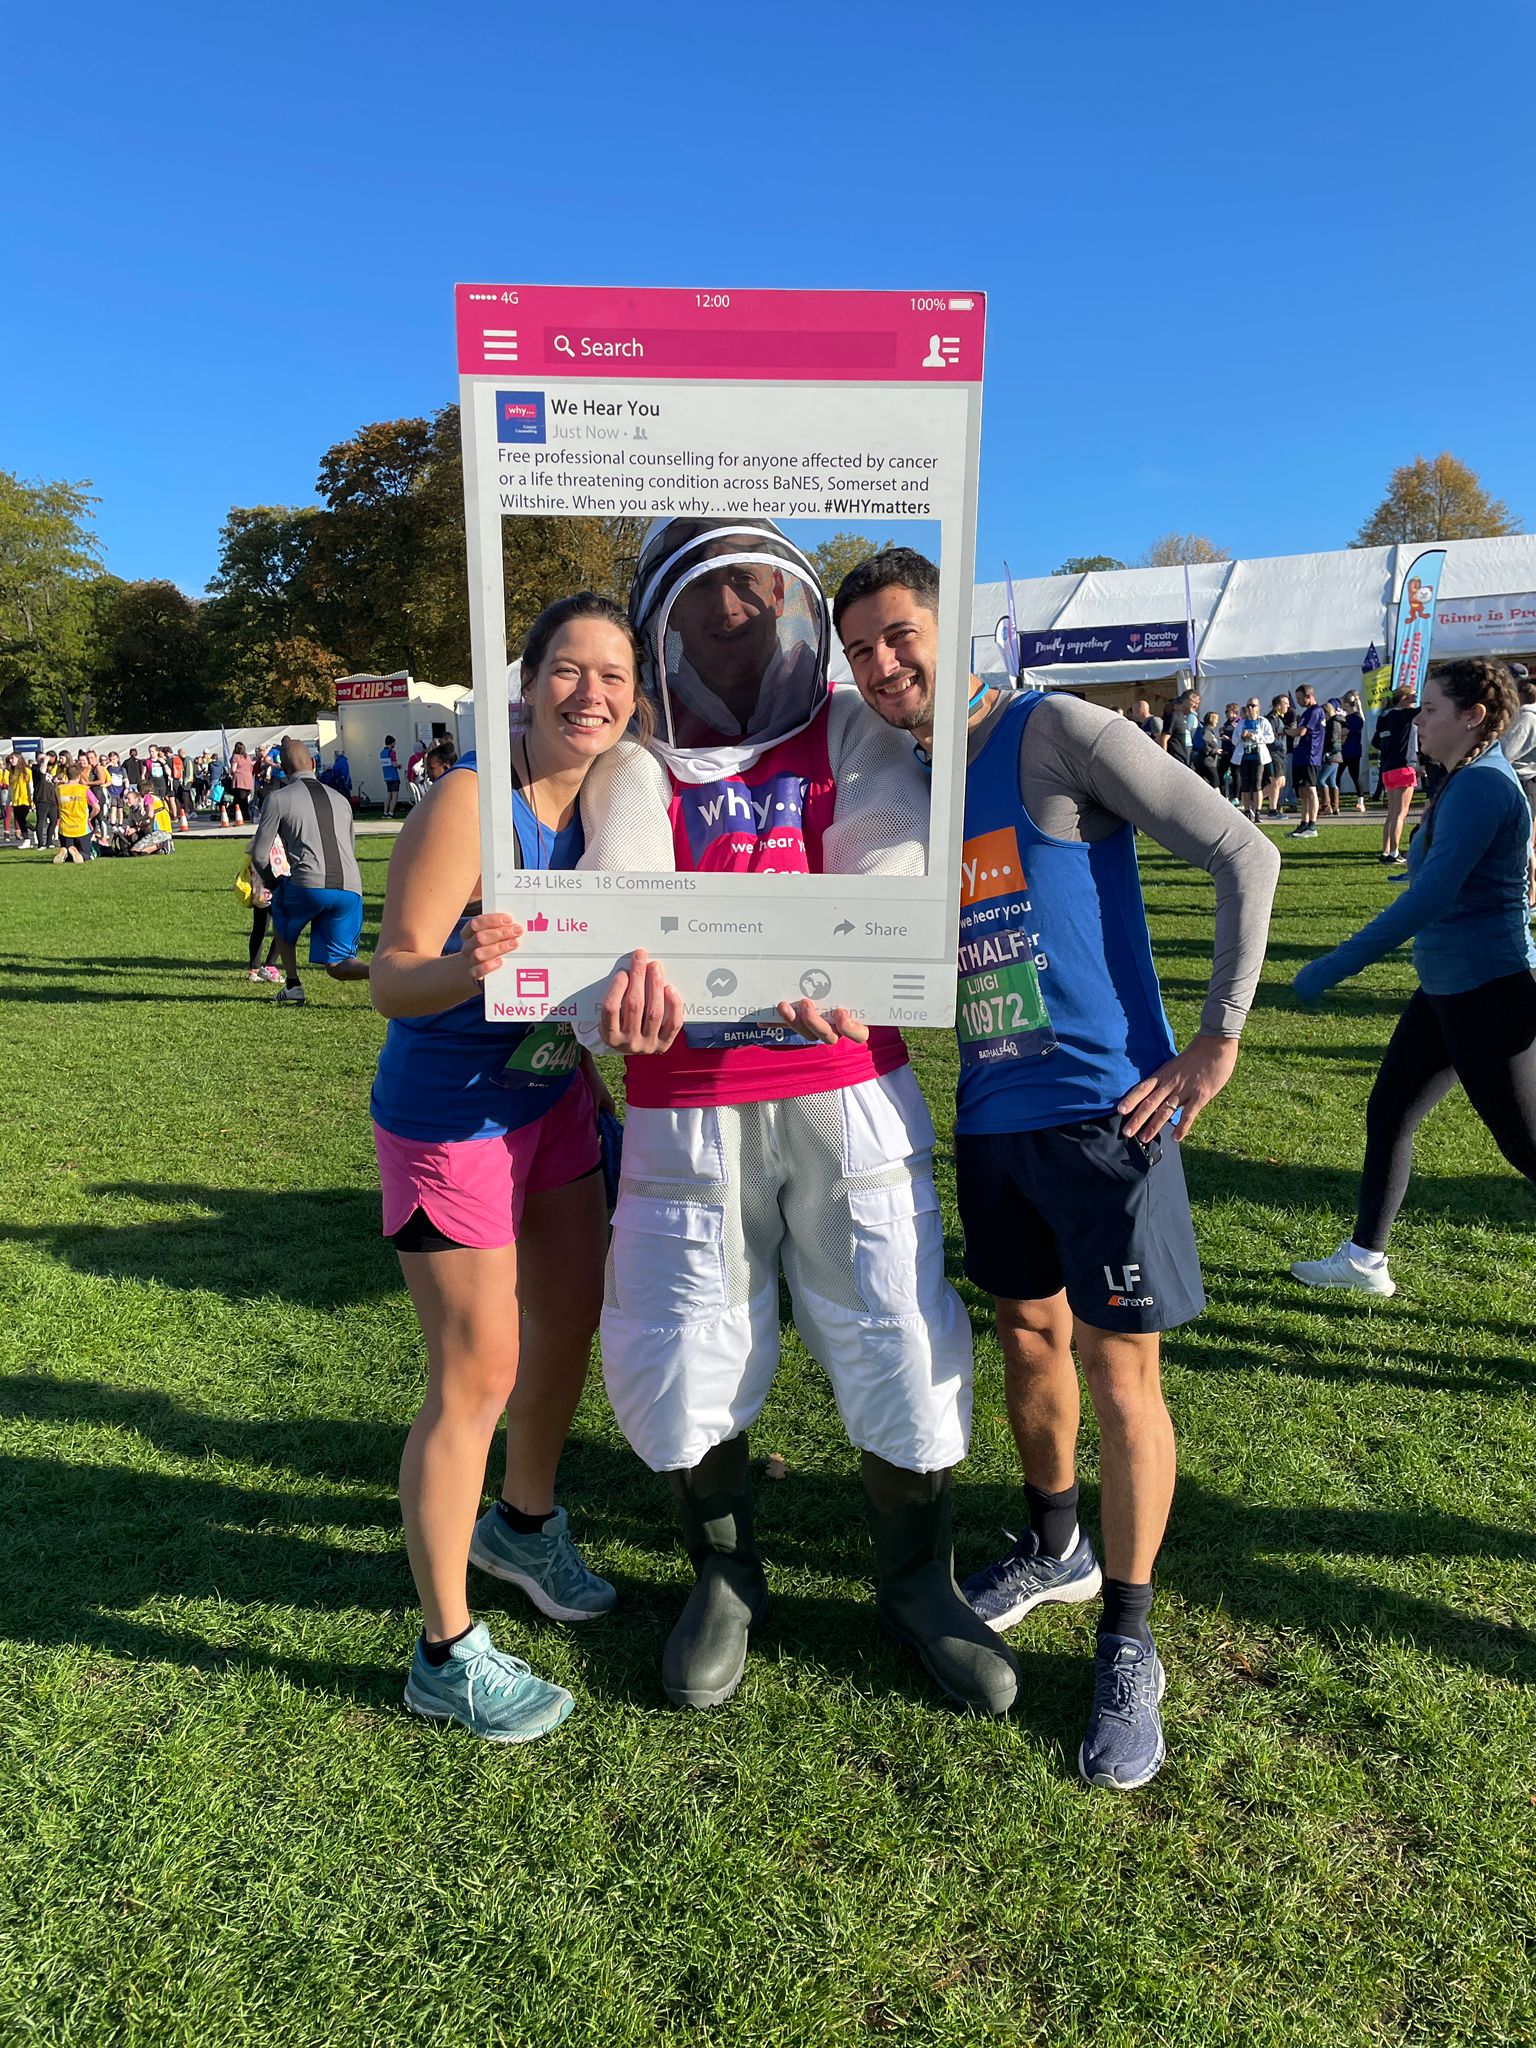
[(669, 924)]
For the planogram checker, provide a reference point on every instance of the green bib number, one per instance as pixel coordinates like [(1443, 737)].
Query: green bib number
[(548, 1053)]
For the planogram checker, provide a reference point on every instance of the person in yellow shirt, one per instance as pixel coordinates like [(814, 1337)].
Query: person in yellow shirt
[(74, 812), (17, 777)]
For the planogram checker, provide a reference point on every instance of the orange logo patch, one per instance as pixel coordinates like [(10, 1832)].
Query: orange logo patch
[(990, 866)]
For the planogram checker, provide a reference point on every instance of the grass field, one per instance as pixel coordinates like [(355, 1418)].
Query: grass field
[(221, 1828)]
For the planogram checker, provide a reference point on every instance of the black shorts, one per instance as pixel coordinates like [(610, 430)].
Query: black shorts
[(1248, 772), (1303, 775), (418, 1233), (1085, 1208)]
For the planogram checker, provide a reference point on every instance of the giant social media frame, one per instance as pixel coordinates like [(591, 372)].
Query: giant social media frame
[(823, 411)]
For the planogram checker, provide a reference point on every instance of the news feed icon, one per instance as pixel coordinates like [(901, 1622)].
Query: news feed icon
[(519, 416)]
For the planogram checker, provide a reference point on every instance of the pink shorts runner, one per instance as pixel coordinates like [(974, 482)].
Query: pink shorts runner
[(1400, 778), (473, 1190)]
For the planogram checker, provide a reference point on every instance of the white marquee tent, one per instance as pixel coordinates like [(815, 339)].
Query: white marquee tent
[(1271, 623), (208, 739)]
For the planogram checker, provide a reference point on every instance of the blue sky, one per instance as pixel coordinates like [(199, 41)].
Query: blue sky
[(1240, 262)]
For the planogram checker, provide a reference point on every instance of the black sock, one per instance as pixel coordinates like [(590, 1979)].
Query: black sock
[(1126, 1609), (1052, 1517), (436, 1654), (525, 1525)]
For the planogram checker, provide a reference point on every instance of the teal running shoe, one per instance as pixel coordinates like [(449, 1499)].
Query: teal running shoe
[(548, 1567), (489, 1693)]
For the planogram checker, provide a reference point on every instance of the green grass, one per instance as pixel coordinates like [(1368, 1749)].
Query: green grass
[(221, 1828)]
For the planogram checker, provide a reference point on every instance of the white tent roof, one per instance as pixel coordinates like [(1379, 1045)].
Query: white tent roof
[(205, 740), (1270, 623)]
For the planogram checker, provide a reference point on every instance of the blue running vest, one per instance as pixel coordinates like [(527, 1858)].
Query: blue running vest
[(1059, 1010)]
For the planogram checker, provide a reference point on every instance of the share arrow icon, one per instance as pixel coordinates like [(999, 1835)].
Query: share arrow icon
[(838, 930)]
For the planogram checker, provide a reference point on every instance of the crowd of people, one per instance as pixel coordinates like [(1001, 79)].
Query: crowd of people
[(84, 803), (1301, 755), (1306, 755), (83, 806), (804, 1146)]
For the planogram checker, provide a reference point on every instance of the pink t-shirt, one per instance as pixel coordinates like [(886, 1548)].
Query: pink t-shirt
[(768, 819)]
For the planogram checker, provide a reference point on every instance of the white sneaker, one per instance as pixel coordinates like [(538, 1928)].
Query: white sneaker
[(1342, 1269)]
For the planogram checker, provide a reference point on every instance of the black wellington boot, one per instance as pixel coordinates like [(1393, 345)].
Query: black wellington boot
[(706, 1652), (916, 1596)]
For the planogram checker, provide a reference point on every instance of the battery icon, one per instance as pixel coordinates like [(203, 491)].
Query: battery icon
[(962, 305)]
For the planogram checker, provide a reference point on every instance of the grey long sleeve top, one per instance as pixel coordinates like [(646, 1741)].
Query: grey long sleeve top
[(314, 823), (1083, 772)]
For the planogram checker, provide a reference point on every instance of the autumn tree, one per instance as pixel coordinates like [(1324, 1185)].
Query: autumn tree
[(1087, 565), (289, 681), (1170, 549), (1439, 500)]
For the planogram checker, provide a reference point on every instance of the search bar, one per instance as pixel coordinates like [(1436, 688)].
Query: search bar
[(685, 349)]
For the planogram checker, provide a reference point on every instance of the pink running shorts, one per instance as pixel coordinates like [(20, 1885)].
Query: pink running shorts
[(473, 1190)]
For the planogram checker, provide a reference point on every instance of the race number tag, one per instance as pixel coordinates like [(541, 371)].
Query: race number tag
[(548, 1053)]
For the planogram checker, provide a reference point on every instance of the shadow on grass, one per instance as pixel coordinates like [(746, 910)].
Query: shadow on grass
[(316, 1247), (155, 1536), (115, 964), (1481, 1201), (67, 992), (258, 1544)]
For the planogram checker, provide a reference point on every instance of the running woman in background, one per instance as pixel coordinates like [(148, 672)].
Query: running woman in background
[(488, 1152), (1473, 1016)]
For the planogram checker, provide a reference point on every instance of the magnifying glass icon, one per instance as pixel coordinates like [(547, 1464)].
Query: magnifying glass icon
[(563, 344)]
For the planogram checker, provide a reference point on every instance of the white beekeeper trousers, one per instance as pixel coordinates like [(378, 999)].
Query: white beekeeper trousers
[(840, 1187)]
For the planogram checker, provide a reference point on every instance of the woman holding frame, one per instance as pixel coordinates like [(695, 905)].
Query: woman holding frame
[(488, 1152)]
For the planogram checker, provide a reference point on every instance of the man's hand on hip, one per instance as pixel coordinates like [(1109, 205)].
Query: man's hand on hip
[(1186, 1083)]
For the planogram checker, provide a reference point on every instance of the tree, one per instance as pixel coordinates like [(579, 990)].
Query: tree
[(48, 554), (364, 549), (152, 674), (261, 583), (835, 557), (542, 559), (1439, 500), (1087, 565), (1170, 549), (280, 682)]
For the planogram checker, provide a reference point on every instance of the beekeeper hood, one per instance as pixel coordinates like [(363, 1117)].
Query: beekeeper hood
[(734, 635)]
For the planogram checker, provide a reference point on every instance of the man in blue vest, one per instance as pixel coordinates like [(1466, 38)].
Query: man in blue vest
[(1071, 1194)]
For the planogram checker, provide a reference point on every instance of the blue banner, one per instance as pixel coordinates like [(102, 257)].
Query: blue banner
[(1416, 621), (1169, 643)]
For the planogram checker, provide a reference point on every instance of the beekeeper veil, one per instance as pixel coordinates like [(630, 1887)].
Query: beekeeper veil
[(734, 635)]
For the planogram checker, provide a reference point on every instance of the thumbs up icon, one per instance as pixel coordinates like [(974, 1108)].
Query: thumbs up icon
[(538, 922)]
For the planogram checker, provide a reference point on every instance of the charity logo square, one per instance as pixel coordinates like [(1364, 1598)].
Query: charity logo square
[(519, 416)]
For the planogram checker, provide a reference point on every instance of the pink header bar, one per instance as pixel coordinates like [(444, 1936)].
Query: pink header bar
[(548, 330)]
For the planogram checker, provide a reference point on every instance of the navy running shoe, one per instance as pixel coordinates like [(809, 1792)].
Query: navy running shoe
[(1124, 1745), (1003, 1593)]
